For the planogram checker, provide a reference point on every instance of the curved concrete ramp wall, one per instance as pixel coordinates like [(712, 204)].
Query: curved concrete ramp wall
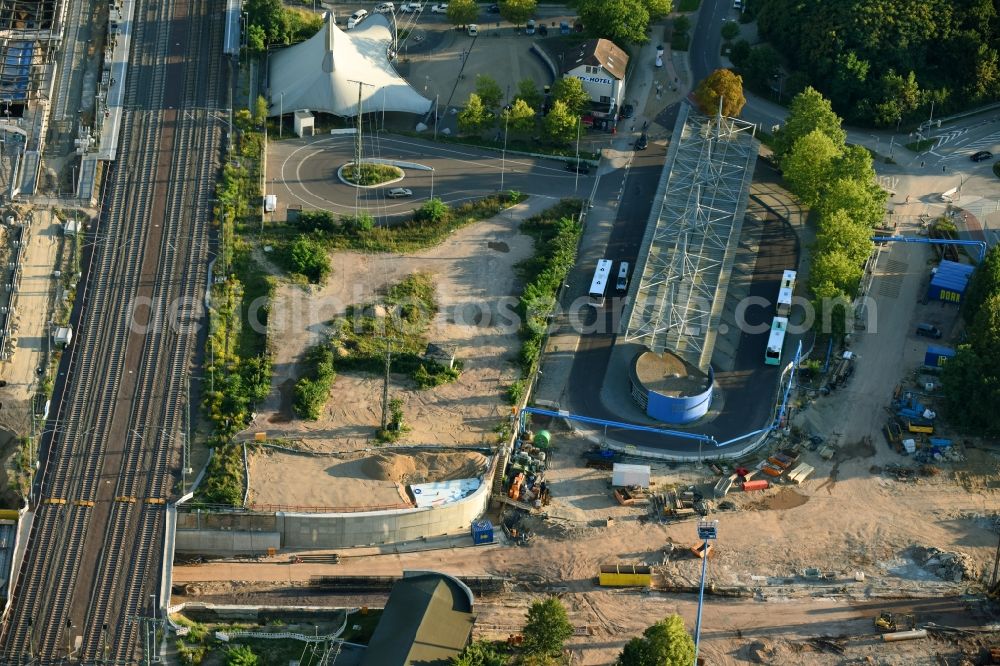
[(239, 533)]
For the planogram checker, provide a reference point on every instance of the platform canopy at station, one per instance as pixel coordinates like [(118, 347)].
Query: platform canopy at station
[(324, 72), (687, 253)]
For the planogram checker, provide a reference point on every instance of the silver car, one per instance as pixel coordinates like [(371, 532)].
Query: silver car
[(399, 193)]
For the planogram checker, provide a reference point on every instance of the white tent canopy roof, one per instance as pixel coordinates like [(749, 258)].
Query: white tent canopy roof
[(321, 73)]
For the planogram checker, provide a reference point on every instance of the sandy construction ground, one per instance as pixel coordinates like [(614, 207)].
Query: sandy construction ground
[(474, 272), (859, 522), (310, 480)]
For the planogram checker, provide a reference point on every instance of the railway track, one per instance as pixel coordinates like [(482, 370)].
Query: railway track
[(94, 552)]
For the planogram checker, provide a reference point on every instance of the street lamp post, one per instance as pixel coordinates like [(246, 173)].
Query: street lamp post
[(437, 98), (281, 113), (707, 531), (576, 175), (503, 153)]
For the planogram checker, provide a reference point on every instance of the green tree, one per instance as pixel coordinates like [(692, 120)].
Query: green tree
[(517, 11), (808, 166), (836, 268), (474, 117), (569, 90), (985, 282), (721, 84), (434, 211), (560, 125), (621, 21), (462, 12), (256, 39), (761, 66), (547, 627), (838, 231), (984, 334), (260, 110), (520, 118), (241, 655), (864, 202), (740, 53), (809, 111), (730, 30), (658, 8), (666, 643), (310, 259), (271, 17), (528, 91), (489, 92), (481, 653)]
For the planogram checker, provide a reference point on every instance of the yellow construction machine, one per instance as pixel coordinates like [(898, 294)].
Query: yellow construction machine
[(886, 621)]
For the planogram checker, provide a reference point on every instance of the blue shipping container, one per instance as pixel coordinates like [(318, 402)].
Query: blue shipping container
[(482, 532), (949, 282), (936, 356)]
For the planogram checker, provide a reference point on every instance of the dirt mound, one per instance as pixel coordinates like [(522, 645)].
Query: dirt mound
[(424, 467)]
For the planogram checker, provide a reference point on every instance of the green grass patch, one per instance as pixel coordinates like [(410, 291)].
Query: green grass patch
[(313, 388), (688, 5), (224, 478), (430, 225), (921, 146), (556, 233), (371, 174)]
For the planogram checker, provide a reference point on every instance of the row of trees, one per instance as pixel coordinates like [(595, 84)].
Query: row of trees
[(666, 643), (882, 61), (838, 183), (270, 22), (621, 21), (560, 124), (971, 380)]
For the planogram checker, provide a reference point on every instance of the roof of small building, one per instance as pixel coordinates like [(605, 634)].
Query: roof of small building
[(595, 52), (427, 620)]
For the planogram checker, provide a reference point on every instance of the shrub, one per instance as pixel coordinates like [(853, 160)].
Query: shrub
[(434, 211), (307, 257), (313, 388)]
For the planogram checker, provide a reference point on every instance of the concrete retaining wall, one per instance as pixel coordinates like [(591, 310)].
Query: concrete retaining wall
[(225, 542), (212, 533)]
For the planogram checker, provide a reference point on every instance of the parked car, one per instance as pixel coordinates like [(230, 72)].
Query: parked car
[(928, 331), (737, 4), (981, 155), (542, 30), (356, 18), (399, 192), (564, 28), (412, 8), (529, 27), (493, 9), (473, 29), (626, 111), (578, 167), (385, 8), (440, 8), (642, 142)]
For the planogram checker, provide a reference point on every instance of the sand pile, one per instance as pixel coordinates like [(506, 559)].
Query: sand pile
[(424, 467)]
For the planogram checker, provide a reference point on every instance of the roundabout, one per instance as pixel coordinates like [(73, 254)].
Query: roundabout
[(305, 173)]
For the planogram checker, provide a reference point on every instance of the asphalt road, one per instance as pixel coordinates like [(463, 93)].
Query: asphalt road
[(303, 172)]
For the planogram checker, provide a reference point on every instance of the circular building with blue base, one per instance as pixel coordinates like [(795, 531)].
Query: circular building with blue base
[(669, 389)]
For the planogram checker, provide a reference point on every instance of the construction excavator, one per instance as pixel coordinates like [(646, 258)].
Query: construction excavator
[(886, 621)]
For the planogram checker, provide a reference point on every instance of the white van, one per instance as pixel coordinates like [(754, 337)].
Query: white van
[(473, 29), (385, 8), (356, 18), (622, 283)]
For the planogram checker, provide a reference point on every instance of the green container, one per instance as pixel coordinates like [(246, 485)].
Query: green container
[(542, 438)]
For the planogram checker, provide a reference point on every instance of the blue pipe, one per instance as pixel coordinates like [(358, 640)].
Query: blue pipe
[(933, 241), (829, 350), (616, 424)]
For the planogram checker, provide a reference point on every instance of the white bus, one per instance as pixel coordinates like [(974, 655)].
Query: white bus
[(785, 293), (599, 285), (776, 341)]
